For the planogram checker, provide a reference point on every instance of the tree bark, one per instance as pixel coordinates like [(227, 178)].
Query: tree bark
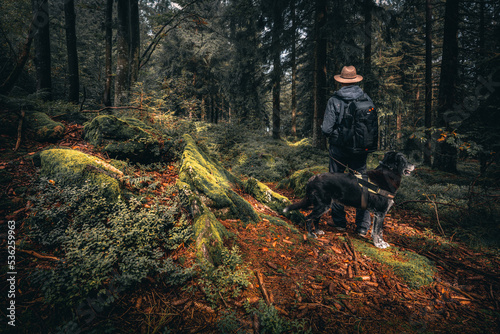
[(294, 69), (428, 81), (445, 157), (22, 58), (42, 47), (122, 79), (368, 46), (276, 74), (135, 41), (74, 79), (319, 85), (109, 51)]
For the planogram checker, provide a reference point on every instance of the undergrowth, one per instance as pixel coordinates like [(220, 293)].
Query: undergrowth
[(100, 242)]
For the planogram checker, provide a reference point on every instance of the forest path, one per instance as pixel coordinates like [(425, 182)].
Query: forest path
[(336, 287)]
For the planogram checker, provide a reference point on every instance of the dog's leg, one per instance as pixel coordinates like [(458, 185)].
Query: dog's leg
[(313, 218), (378, 226)]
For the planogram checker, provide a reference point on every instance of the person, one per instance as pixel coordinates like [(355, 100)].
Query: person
[(340, 156)]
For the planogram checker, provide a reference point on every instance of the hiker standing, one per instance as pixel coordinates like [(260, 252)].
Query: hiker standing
[(351, 125)]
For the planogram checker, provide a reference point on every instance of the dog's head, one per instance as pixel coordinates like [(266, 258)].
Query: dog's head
[(397, 163)]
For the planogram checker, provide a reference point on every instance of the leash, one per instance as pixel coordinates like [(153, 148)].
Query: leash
[(355, 172), (366, 185)]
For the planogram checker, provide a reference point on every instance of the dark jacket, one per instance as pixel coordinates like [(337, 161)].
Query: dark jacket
[(337, 103)]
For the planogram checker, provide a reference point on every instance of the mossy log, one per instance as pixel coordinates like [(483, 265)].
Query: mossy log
[(208, 189), (42, 128), (273, 200), (70, 168), (214, 184)]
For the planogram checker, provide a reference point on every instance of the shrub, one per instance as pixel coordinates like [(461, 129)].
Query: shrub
[(100, 243)]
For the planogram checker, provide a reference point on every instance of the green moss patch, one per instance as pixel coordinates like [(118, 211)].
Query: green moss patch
[(209, 178), (414, 269), (43, 128), (69, 168), (298, 180), (125, 138)]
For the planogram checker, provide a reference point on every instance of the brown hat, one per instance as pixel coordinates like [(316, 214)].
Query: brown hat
[(348, 75)]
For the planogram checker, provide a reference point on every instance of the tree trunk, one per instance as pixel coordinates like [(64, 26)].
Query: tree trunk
[(368, 46), (428, 81), (122, 80), (294, 70), (21, 60), (445, 157), (276, 75), (135, 41), (42, 47), (319, 85), (109, 51), (74, 80)]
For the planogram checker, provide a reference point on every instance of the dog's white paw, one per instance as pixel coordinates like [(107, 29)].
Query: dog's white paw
[(312, 235), (320, 232), (382, 244)]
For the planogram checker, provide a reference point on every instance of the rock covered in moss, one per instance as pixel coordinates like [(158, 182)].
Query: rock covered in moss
[(42, 128), (124, 138), (71, 168)]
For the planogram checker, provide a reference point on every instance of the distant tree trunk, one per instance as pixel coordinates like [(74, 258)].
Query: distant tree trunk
[(135, 41), (42, 47), (294, 70), (21, 60), (74, 80), (122, 79), (276, 75), (368, 46), (109, 51), (445, 157), (319, 85), (428, 81)]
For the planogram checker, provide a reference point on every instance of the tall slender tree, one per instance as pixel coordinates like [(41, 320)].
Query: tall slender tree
[(319, 84), (428, 80), (122, 77), (294, 67), (135, 40), (43, 62), (74, 78), (276, 47), (368, 8), (445, 157), (108, 22)]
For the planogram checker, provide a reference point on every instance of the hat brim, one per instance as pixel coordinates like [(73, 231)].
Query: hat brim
[(338, 78)]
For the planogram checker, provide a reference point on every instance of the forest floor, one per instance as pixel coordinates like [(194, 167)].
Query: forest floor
[(327, 282)]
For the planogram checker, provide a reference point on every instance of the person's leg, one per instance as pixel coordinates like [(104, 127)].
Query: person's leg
[(363, 221), (337, 210)]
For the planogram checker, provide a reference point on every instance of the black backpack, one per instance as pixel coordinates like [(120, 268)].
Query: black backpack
[(358, 126)]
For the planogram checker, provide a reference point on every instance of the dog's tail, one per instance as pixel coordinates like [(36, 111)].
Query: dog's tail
[(299, 205)]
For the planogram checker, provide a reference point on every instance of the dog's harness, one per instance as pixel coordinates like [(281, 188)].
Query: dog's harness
[(367, 185)]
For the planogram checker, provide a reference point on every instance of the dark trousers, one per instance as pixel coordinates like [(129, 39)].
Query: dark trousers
[(358, 163)]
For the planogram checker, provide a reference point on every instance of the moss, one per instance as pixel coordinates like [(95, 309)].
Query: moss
[(68, 167), (125, 138), (414, 269), (280, 222), (43, 128), (265, 195), (298, 180), (208, 177)]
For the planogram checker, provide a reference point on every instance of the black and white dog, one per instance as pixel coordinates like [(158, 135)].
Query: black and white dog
[(375, 195)]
